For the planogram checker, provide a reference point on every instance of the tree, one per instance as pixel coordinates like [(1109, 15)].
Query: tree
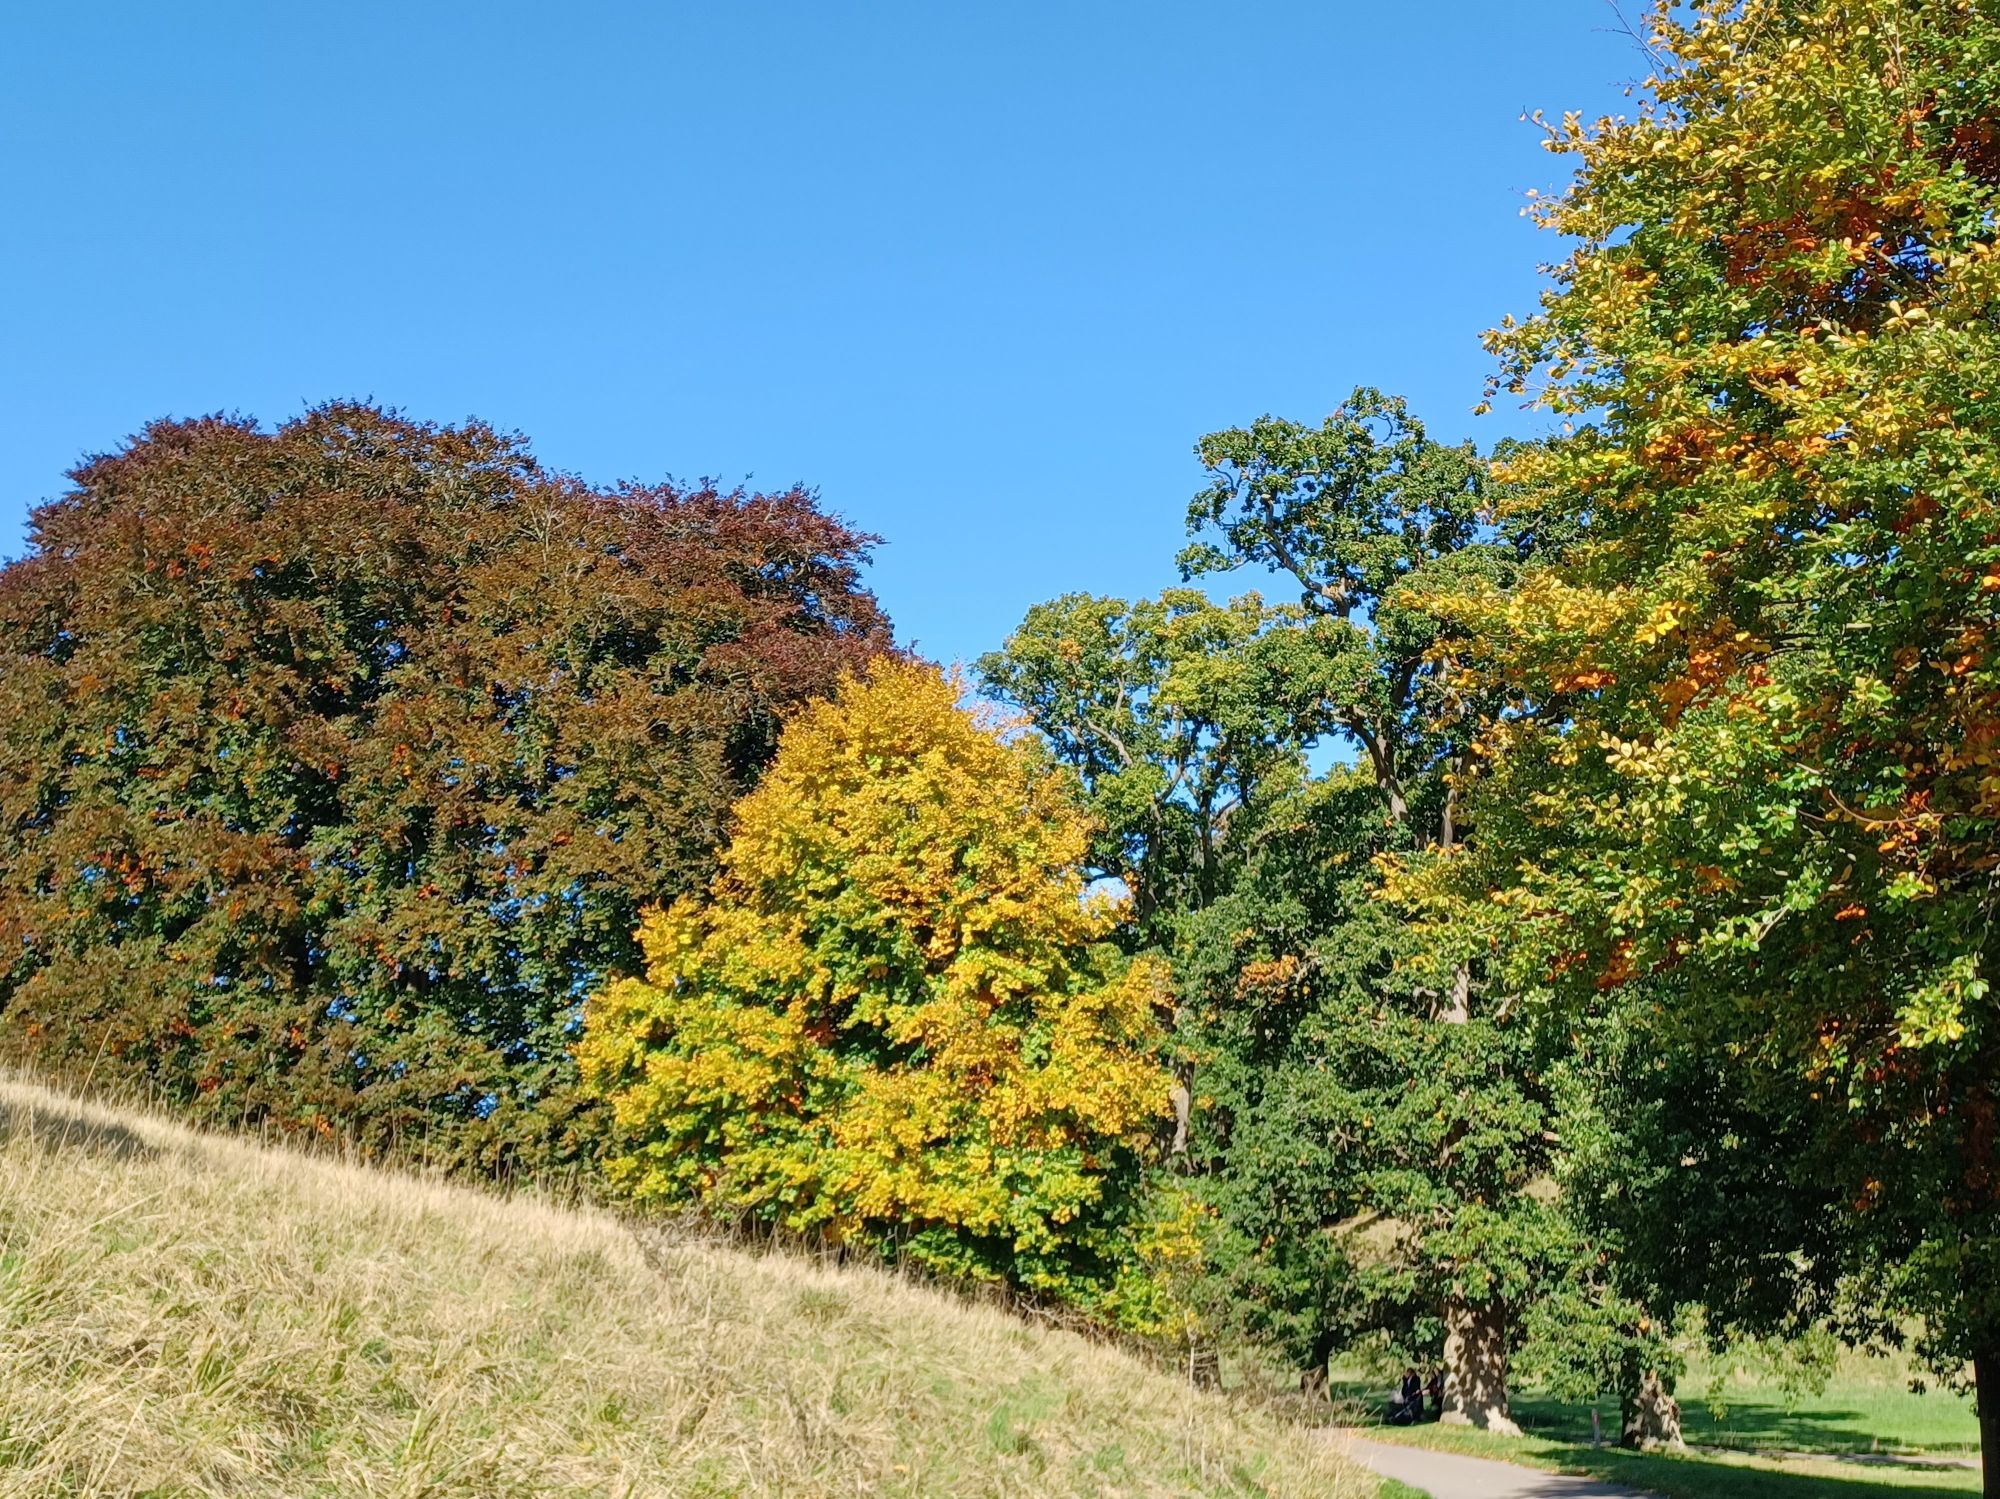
[(1744, 801), (1186, 721), (1352, 512), (1372, 1161), (1429, 1091), (895, 1021), (335, 761), (1339, 1092)]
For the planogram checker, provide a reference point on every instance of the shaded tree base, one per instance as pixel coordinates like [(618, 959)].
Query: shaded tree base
[(1475, 1362)]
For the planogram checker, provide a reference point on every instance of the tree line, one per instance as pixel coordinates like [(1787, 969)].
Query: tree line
[(1550, 926), (337, 761)]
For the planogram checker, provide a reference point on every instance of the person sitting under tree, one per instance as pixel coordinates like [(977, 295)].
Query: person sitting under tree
[(1406, 1407)]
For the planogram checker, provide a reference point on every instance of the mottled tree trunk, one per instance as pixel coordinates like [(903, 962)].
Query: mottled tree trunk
[(1986, 1389), (1458, 1006), (1475, 1367), (1652, 1417)]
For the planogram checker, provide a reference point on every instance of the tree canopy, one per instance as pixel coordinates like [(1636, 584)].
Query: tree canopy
[(1564, 918), (1742, 802), (1182, 717), (1371, 1146), (336, 761), (894, 1019)]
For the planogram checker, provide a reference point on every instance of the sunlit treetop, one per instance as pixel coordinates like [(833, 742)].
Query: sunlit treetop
[(895, 1019)]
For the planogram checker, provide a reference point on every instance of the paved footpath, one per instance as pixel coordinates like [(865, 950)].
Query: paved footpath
[(1445, 1475)]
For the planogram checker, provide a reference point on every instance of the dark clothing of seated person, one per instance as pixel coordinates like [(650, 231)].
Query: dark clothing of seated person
[(1407, 1406)]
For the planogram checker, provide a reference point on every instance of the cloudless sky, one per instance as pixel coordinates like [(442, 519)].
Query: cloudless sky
[(980, 273)]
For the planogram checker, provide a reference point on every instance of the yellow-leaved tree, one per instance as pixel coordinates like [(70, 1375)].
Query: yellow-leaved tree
[(895, 1021)]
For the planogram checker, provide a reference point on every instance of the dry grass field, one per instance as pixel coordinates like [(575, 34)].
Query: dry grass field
[(193, 1315)]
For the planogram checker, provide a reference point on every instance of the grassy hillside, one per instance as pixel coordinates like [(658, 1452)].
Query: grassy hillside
[(191, 1315)]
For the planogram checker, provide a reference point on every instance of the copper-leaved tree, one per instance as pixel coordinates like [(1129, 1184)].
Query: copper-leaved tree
[(337, 759)]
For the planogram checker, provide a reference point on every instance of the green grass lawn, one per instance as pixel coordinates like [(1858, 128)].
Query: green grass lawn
[(1698, 1475), (1867, 1406)]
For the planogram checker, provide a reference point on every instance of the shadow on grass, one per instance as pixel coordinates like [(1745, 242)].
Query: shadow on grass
[(1692, 1475), (1749, 1424), (1753, 1425), (69, 1132), (1697, 1478)]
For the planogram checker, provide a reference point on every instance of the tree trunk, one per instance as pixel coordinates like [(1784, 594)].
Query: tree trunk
[(1475, 1337), (1181, 1095), (1458, 1008), (1313, 1380), (1475, 1367), (1399, 809), (1382, 758), (1652, 1417), (1986, 1390)]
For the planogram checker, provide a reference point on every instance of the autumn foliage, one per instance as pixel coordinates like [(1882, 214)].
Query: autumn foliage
[(337, 760), (893, 1021), (363, 777), (1745, 803)]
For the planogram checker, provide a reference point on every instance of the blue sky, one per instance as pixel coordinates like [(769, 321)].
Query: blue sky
[(980, 273)]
